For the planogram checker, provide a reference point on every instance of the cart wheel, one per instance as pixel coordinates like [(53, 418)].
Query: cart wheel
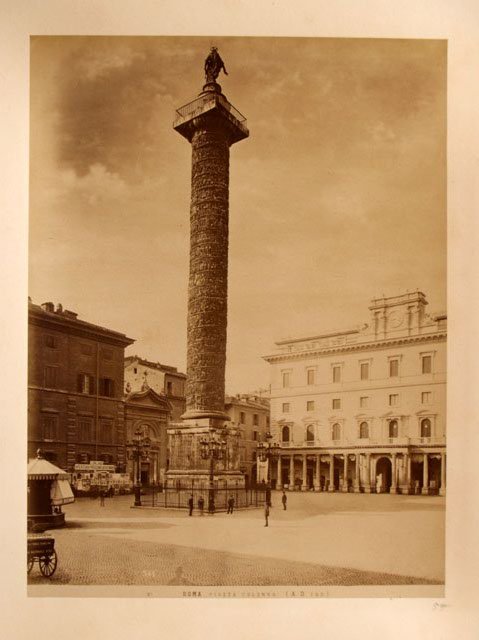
[(30, 562), (48, 564)]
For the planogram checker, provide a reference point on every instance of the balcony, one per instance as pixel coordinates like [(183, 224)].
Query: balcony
[(206, 104), (429, 440)]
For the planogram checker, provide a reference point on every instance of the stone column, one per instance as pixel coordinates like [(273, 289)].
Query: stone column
[(331, 473), (393, 474), (345, 474), (317, 486), (442, 488), (367, 486), (291, 473), (356, 483), (408, 474), (304, 485), (279, 481), (211, 130), (404, 481), (425, 476)]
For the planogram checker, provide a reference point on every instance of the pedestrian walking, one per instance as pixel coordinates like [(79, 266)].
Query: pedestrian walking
[(231, 504), (266, 513), (284, 500), (201, 505), (102, 498), (190, 505)]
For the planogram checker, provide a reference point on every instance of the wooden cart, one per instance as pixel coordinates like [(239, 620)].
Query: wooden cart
[(42, 548)]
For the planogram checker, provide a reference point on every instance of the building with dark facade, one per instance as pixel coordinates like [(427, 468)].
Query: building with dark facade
[(75, 389)]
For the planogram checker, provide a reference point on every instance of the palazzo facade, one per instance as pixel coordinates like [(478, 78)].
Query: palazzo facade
[(363, 410)]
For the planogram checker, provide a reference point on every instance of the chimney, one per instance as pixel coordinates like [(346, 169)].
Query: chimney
[(48, 306), (59, 308)]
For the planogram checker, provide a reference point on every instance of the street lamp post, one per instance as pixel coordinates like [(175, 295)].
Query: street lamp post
[(138, 450), (213, 447), (265, 452)]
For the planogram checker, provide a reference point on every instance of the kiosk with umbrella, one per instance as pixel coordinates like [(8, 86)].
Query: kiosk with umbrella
[(48, 490)]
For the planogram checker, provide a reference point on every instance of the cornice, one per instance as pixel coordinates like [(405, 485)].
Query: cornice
[(362, 346)]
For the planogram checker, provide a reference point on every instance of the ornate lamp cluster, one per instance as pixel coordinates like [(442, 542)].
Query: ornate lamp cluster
[(266, 449), (138, 450), (213, 447)]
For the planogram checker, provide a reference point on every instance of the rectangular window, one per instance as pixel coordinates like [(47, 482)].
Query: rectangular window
[(169, 388), (242, 417), (393, 399), (107, 387), (50, 342), (86, 350), (426, 397), (364, 370), (426, 364), (51, 377), (255, 419), (393, 368), (364, 402), (286, 378), (310, 376), (310, 405), (336, 374), (49, 427), (106, 431), (336, 403), (107, 354), (85, 429), (286, 407), (255, 435), (86, 383)]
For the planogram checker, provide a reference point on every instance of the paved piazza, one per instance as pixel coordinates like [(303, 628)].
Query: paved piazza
[(322, 539)]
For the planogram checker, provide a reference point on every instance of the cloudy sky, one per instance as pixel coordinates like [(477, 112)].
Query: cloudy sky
[(338, 196)]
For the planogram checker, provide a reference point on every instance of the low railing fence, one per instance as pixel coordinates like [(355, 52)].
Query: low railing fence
[(178, 497)]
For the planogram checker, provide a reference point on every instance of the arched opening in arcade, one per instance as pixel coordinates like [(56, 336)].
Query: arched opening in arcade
[(383, 475), (417, 469)]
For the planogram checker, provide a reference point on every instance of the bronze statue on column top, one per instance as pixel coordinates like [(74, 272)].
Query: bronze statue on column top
[(213, 65)]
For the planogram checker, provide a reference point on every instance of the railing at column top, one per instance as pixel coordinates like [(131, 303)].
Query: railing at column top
[(205, 103)]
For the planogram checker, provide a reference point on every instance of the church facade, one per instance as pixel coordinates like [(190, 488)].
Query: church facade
[(364, 409)]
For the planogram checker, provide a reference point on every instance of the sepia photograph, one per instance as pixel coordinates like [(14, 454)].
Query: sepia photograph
[(237, 316)]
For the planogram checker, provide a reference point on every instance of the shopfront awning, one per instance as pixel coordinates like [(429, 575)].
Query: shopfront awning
[(61, 492)]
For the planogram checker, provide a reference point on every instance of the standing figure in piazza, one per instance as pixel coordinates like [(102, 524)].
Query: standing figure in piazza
[(213, 65)]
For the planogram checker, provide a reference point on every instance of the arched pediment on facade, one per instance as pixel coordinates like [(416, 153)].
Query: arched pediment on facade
[(305, 420), (151, 428), (425, 413), (150, 398), (392, 415)]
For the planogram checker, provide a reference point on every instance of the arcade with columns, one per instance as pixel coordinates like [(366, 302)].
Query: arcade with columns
[(359, 471)]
